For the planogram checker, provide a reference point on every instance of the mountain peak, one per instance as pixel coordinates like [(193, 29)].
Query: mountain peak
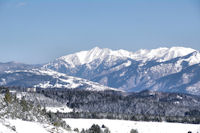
[(129, 71), (161, 54), (95, 49)]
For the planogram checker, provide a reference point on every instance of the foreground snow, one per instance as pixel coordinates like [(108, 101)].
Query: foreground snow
[(124, 126), (27, 127), (115, 126), (20, 126)]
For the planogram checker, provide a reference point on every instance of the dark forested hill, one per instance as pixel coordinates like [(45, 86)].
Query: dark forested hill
[(144, 104)]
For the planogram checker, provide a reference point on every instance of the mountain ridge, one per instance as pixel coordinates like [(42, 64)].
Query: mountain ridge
[(126, 70), (131, 71), (48, 79), (163, 54)]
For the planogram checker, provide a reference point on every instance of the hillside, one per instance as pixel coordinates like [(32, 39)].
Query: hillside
[(38, 78), (18, 115)]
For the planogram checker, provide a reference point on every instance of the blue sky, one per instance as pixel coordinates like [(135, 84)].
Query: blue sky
[(38, 31)]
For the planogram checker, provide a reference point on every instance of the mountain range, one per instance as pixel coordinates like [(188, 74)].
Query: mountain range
[(174, 69)]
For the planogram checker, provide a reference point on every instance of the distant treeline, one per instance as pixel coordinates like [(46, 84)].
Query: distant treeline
[(88, 115), (142, 106)]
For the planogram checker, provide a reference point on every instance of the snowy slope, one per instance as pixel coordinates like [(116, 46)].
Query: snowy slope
[(187, 80), (86, 57), (47, 79), (129, 71), (124, 126), (8, 66), (50, 104), (19, 116), (161, 54), (5, 127), (20, 126)]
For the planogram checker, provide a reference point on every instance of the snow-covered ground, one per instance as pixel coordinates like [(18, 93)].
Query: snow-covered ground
[(20, 126), (5, 129), (124, 126), (63, 109), (115, 126), (27, 127)]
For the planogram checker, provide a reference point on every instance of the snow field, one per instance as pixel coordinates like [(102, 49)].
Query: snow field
[(124, 126)]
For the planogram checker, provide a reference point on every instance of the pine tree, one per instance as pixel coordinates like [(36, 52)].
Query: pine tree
[(107, 130), (83, 131), (24, 104), (95, 129), (133, 131), (8, 97)]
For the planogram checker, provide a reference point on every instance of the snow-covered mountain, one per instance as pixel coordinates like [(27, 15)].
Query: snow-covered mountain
[(11, 66), (86, 57), (173, 69), (131, 71), (47, 79)]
